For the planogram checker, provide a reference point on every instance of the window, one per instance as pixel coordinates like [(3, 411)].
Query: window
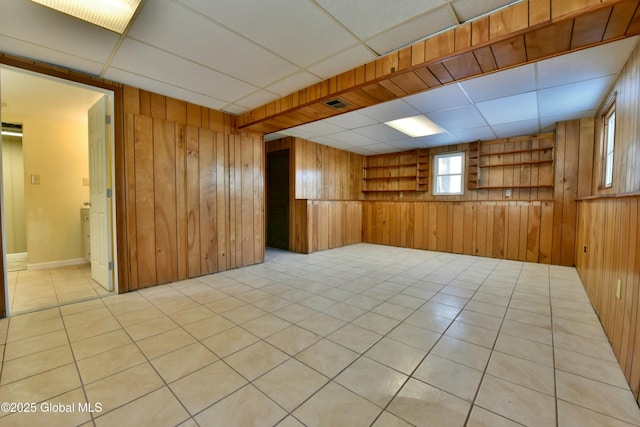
[(608, 140), (448, 173)]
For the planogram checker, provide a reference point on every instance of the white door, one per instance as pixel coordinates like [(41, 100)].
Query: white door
[(100, 195)]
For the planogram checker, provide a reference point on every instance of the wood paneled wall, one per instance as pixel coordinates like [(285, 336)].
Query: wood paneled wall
[(608, 222), (322, 180), (194, 191), (508, 230), (326, 224), (609, 228)]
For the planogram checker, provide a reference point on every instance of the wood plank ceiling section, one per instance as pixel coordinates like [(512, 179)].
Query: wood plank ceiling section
[(519, 34)]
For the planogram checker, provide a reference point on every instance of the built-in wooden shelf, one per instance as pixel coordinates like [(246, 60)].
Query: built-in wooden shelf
[(402, 171)]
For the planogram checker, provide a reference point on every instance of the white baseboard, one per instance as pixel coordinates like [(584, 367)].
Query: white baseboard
[(56, 264), (17, 257)]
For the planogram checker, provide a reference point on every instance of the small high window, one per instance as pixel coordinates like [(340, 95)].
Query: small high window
[(608, 141), (448, 174)]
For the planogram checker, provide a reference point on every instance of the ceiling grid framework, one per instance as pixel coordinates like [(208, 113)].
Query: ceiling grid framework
[(275, 62)]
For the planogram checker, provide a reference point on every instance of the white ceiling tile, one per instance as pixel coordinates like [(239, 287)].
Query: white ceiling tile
[(379, 148), (441, 98), (142, 82), (293, 82), (498, 85), (512, 108), (438, 139), (234, 109), (257, 99), (380, 132), (299, 133), (524, 127), (205, 42), (145, 60), (352, 138), (581, 96), (291, 29), (586, 64), (405, 144), (469, 9), (367, 152), (351, 120), (391, 110), (321, 128), (274, 136), (416, 29), (46, 28), (366, 18), (345, 60), (549, 123), (458, 118), (474, 134), (44, 54)]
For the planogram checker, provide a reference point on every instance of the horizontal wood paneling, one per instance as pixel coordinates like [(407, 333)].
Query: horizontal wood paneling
[(326, 224), (194, 191), (508, 230)]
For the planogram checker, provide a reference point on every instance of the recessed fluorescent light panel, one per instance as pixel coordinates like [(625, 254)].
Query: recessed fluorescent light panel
[(415, 126), (113, 15)]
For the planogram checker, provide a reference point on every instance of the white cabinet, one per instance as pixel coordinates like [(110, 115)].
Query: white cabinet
[(85, 219)]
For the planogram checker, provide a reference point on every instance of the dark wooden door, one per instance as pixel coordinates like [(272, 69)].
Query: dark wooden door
[(278, 199)]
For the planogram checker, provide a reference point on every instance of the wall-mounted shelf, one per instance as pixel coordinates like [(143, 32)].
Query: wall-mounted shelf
[(518, 163), (402, 171)]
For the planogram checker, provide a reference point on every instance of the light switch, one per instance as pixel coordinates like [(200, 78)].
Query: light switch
[(35, 179)]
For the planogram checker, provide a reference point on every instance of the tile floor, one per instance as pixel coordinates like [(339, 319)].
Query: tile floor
[(359, 336), (37, 289)]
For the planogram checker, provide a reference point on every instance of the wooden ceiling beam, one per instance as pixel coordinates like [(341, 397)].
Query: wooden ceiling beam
[(522, 33)]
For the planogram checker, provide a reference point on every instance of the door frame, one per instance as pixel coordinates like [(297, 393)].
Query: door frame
[(117, 170)]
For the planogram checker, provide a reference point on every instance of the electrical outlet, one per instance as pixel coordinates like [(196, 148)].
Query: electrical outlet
[(401, 194), (584, 249), (618, 288), (507, 192), (35, 179)]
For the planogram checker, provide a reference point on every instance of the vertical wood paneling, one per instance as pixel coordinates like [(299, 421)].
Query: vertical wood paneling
[(193, 201)]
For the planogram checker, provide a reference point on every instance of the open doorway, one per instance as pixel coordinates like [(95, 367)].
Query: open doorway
[(277, 194), (59, 243)]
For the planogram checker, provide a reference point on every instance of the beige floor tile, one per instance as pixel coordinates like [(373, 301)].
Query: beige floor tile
[(16, 349), (415, 336), (570, 415), (123, 387), (327, 357), (229, 341), (355, 338), (184, 361), (89, 316), (204, 328), (590, 367), (529, 317), (486, 308), (44, 386), (517, 403), (344, 312), (321, 324), (246, 407), (387, 419), (336, 406), (243, 314), (473, 334), (523, 372), (165, 342), (482, 418), (426, 320), (376, 323), (136, 316), (440, 310), (591, 347), (396, 355), (190, 315), (373, 381), (393, 311), (449, 376), (424, 405), (159, 408), (255, 360), (478, 319), (110, 362), (471, 355), (20, 330), (100, 343), (35, 363), (266, 325), (290, 384), (63, 410), (147, 329), (81, 306), (206, 386), (290, 421), (293, 340), (603, 398), (530, 332), (81, 332), (525, 349), (578, 328), (225, 304)]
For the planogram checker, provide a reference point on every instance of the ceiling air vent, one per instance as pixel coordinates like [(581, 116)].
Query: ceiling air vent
[(336, 104)]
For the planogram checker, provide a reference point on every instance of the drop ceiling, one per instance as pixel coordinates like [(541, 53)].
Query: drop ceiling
[(235, 55)]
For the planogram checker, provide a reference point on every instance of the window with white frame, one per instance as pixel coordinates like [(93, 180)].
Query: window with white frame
[(608, 134), (448, 172)]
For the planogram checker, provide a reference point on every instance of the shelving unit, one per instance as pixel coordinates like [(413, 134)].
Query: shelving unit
[(403, 171), (512, 163)]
